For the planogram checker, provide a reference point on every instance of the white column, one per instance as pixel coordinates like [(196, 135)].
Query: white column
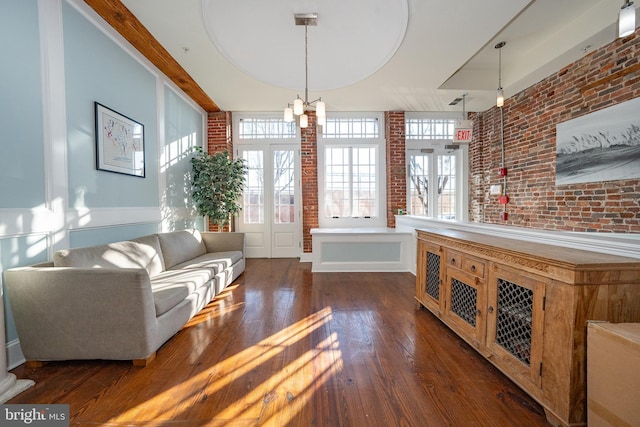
[(9, 385)]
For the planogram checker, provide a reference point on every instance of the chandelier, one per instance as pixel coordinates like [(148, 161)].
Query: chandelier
[(299, 105)]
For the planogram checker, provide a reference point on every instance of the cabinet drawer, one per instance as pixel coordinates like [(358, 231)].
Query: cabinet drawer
[(454, 259), (473, 266)]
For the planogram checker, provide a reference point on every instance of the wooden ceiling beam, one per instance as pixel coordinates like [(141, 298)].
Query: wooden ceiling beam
[(124, 22)]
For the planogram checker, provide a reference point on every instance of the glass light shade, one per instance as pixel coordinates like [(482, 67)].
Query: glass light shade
[(500, 98), (321, 120), (304, 121), (288, 115), (298, 107), (321, 110), (627, 21)]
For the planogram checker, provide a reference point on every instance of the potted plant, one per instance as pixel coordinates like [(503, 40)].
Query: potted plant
[(218, 181)]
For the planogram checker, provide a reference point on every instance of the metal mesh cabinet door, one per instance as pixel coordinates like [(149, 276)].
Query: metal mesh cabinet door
[(429, 288), (464, 302), (515, 321)]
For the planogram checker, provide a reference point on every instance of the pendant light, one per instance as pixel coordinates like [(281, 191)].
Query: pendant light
[(300, 105), (500, 92), (627, 19)]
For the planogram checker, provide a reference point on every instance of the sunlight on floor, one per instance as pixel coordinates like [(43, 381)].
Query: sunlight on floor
[(277, 398)]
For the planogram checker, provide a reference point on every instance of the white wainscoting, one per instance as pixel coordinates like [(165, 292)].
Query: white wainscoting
[(361, 249)]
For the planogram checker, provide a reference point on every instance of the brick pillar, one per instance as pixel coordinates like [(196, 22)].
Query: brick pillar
[(309, 167), (219, 132), (396, 164), (478, 181), (219, 138)]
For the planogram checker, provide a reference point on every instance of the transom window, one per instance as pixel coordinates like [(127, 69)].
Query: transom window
[(429, 128), (359, 127), (266, 128)]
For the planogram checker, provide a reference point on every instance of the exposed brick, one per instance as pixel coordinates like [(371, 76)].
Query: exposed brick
[(530, 120), (396, 164), (309, 160), (219, 138)]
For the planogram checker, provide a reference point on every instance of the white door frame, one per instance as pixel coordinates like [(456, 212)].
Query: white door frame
[(269, 239)]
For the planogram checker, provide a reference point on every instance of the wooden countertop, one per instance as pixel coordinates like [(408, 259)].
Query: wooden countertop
[(532, 256)]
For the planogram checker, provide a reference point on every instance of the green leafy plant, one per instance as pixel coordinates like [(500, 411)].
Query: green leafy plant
[(217, 185)]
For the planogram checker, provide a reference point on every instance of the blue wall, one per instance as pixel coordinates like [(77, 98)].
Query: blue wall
[(183, 131), (96, 69), (97, 206), (21, 152)]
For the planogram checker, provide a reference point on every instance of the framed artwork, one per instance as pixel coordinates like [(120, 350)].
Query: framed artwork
[(600, 146), (119, 143)]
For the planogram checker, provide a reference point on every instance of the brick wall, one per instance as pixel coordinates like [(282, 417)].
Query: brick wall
[(309, 167), (603, 78), (396, 165)]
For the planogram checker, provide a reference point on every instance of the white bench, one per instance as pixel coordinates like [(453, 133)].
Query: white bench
[(361, 249)]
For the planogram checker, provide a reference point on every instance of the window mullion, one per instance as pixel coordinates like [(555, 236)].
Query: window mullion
[(433, 185), (351, 181)]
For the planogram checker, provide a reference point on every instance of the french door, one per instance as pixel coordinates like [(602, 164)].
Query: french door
[(270, 216)]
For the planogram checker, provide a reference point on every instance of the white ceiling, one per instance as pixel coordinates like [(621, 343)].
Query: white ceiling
[(447, 50)]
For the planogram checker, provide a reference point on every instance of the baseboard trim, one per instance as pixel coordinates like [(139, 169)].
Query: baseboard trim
[(15, 357)]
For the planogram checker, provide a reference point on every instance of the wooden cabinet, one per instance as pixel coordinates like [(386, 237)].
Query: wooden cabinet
[(524, 306)]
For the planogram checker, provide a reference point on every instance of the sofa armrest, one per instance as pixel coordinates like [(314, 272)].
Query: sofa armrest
[(82, 313), (223, 242)]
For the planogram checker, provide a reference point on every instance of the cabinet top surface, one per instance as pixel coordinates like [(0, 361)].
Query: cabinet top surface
[(575, 257)]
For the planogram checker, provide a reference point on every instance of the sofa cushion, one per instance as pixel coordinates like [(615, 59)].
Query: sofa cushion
[(180, 246), (217, 261), (143, 252), (170, 288)]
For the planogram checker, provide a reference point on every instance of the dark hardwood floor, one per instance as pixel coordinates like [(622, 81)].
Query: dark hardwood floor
[(286, 347)]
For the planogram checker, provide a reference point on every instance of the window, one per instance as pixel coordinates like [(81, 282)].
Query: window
[(419, 184), (266, 128), (352, 178), (432, 184), (360, 127), (446, 186), (427, 128), (284, 194), (350, 185), (253, 194), (436, 169)]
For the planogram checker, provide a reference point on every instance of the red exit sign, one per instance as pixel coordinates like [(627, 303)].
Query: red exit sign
[(463, 131), (462, 135)]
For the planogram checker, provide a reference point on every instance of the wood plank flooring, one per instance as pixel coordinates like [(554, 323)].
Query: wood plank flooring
[(286, 347)]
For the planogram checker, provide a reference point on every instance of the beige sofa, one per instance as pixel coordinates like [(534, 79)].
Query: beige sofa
[(119, 301)]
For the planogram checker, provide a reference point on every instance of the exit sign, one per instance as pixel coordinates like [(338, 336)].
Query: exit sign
[(463, 131)]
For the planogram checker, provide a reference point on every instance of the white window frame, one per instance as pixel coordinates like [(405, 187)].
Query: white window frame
[(380, 220), (414, 146)]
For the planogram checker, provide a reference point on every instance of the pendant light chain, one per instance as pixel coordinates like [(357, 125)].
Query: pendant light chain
[(306, 66), (500, 68)]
